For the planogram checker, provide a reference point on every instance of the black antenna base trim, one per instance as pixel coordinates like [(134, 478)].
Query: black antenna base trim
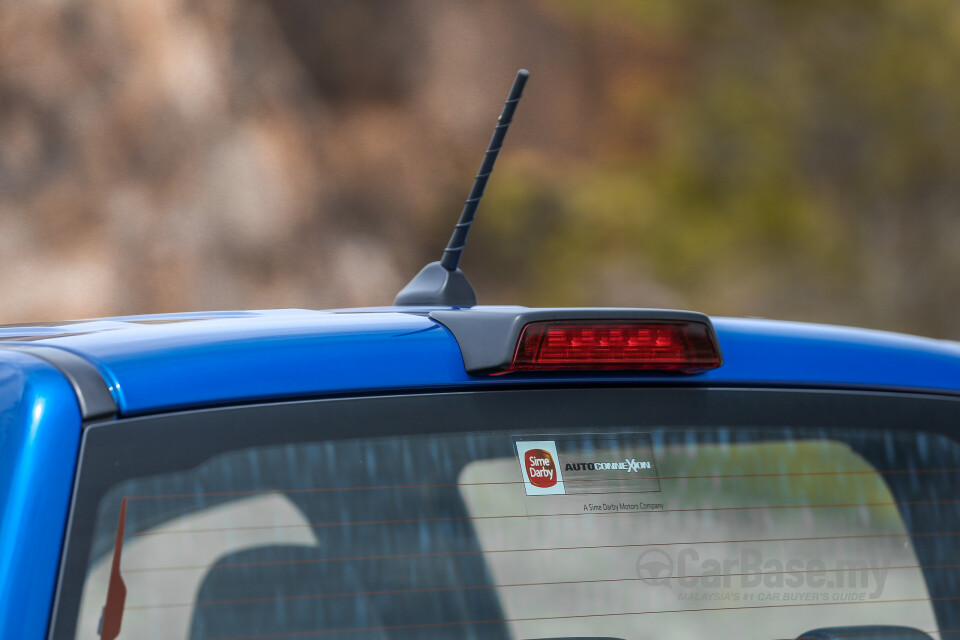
[(437, 286)]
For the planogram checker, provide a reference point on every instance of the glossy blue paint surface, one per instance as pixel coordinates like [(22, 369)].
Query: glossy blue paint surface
[(799, 354), (39, 440), (275, 355), (156, 363)]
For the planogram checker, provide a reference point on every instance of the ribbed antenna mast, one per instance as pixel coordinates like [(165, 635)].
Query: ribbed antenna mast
[(442, 283), (451, 255)]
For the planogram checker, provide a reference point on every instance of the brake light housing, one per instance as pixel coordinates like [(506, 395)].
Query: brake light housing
[(498, 340)]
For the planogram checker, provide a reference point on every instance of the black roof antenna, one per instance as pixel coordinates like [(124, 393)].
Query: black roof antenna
[(442, 283)]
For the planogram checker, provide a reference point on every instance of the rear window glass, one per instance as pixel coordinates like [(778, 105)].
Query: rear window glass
[(618, 531)]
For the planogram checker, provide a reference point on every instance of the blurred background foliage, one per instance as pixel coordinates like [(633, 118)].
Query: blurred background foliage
[(791, 159)]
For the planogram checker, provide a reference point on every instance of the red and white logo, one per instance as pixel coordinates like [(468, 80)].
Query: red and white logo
[(541, 468)]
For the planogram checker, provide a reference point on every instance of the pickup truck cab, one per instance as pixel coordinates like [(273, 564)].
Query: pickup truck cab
[(298, 473)]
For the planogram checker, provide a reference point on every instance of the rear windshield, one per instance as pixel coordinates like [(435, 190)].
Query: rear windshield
[(569, 520)]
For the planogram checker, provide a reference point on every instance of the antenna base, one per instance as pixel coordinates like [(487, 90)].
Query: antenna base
[(436, 286)]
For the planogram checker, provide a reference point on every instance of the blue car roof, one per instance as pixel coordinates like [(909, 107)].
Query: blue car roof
[(165, 362)]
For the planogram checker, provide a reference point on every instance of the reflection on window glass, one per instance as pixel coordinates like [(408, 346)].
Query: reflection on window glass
[(622, 534)]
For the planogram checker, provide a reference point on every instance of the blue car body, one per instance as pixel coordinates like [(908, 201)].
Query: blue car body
[(167, 363)]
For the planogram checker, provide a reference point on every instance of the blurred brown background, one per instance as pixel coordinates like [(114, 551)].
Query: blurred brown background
[(786, 159)]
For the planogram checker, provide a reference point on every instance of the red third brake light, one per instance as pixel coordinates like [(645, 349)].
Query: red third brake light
[(685, 347)]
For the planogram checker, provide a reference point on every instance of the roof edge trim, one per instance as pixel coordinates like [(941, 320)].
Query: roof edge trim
[(93, 393)]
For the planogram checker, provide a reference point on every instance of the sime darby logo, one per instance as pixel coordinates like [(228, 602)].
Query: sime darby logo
[(541, 469), (539, 463)]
